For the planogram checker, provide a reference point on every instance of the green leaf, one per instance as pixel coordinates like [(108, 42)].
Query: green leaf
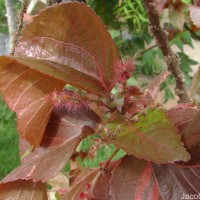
[(186, 1), (114, 33), (152, 137), (177, 42), (168, 95), (187, 38), (185, 63)]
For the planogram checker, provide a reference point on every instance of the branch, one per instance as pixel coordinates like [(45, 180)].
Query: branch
[(20, 25), (111, 157), (140, 53), (171, 59)]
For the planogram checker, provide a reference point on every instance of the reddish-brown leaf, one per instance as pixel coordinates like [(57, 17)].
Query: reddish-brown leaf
[(191, 140), (175, 182), (197, 2), (102, 186), (63, 133), (148, 188), (24, 91), (195, 15), (22, 189), (191, 135), (181, 115), (133, 179), (134, 100), (74, 47), (137, 179)]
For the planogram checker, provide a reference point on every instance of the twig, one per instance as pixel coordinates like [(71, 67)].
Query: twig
[(110, 159), (103, 169), (140, 53), (20, 25), (171, 59)]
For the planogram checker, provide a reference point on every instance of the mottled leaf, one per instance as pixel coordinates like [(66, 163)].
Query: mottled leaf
[(195, 15), (151, 136), (24, 91), (23, 189), (63, 133), (74, 47)]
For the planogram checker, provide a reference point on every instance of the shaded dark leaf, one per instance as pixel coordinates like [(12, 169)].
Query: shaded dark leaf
[(133, 179), (174, 182), (102, 186)]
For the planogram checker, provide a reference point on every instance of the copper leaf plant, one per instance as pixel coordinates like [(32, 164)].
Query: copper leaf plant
[(66, 81)]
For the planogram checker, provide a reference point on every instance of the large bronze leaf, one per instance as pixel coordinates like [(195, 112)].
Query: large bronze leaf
[(63, 133), (70, 42), (24, 91)]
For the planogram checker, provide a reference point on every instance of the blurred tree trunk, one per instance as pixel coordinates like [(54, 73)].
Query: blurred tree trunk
[(11, 18)]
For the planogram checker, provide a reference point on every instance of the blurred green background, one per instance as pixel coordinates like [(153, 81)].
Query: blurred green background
[(9, 155)]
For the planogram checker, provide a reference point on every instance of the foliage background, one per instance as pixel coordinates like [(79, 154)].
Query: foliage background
[(9, 155)]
